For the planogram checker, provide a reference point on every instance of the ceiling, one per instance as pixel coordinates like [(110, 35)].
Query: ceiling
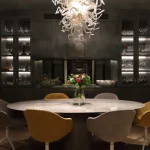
[(48, 5)]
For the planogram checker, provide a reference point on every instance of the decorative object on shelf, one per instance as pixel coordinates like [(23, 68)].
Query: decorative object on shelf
[(79, 16), (106, 83), (47, 81), (79, 80), (9, 51), (8, 66), (23, 47)]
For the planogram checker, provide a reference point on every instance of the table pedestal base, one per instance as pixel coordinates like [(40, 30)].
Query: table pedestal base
[(79, 138)]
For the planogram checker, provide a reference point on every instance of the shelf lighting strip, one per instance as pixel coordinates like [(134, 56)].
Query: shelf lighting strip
[(7, 57), (143, 39), (10, 39), (144, 57), (130, 39), (24, 73), (9, 73), (127, 39), (127, 57), (127, 72), (24, 57), (143, 72), (24, 39), (21, 39)]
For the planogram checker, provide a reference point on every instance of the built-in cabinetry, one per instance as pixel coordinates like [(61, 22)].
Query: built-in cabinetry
[(15, 51), (135, 49)]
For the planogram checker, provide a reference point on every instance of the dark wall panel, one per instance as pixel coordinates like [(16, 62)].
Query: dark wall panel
[(59, 40), (108, 41), (42, 40)]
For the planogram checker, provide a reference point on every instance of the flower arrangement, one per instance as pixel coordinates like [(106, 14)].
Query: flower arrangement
[(79, 79)]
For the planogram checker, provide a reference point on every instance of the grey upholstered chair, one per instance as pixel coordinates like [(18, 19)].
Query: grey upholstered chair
[(6, 122), (106, 96), (111, 126)]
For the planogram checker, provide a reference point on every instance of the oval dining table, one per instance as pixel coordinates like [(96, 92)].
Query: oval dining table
[(80, 138)]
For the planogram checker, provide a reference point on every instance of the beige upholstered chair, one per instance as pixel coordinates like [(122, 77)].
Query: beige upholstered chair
[(56, 96), (111, 126), (46, 126), (106, 96)]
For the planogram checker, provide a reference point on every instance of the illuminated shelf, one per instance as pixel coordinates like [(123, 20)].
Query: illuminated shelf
[(127, 39), (127, 57), (24, 39)]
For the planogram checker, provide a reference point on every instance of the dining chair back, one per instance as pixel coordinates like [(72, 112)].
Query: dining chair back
[(56, 96), (111, 126), (6, 121), (46, 126), (106, 96)]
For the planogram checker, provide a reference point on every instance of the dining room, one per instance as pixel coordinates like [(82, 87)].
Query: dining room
[(75, 74)]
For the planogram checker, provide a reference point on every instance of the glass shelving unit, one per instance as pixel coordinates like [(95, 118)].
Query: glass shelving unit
[(16, 52), (135, 50), (143, 51), (127, 51)]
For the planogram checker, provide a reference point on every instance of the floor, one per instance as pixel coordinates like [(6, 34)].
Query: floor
[(22, 134)]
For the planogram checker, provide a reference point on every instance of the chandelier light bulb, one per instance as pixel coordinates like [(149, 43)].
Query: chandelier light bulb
[(79, 16)]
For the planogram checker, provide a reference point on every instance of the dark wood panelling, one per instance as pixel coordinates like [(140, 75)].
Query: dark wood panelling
[(92, 45), (108, 41), (59, 40), (42, 40), (75, 49)]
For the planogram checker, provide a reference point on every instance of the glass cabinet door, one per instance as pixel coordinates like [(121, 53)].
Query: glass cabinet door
[(144, 51), (127, 51), (15, 52), (24, 52), (7, 52)]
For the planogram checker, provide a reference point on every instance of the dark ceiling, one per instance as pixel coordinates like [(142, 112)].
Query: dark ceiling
[(48, 5)]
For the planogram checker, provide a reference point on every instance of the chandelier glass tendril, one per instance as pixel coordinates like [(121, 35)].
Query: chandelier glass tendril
[(79, 16)]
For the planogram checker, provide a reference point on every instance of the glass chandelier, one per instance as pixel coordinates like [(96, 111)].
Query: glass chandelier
[(79, 16)]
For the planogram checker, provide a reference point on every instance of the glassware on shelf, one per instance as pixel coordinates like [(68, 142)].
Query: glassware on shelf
[(24, 30), (24, 27), (142, 79), (127, 49), (144, 49), (7, 78), (24, 79), (127, 77), (143, 31), (127, 32)]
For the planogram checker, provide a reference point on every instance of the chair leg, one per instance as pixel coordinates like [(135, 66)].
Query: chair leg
[(3, 139), (46, 146), (7, 136), (11, 143), (111, 145), (135, 140), (145, 138)]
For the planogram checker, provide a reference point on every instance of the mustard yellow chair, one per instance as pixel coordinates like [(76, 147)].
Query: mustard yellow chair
[(46, 126), (142, 119), (56, 96)]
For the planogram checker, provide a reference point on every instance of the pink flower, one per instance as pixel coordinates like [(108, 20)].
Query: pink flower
[(78, 80)]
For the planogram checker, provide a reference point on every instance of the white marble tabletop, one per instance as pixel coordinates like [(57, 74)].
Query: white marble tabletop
[(66, 105)]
